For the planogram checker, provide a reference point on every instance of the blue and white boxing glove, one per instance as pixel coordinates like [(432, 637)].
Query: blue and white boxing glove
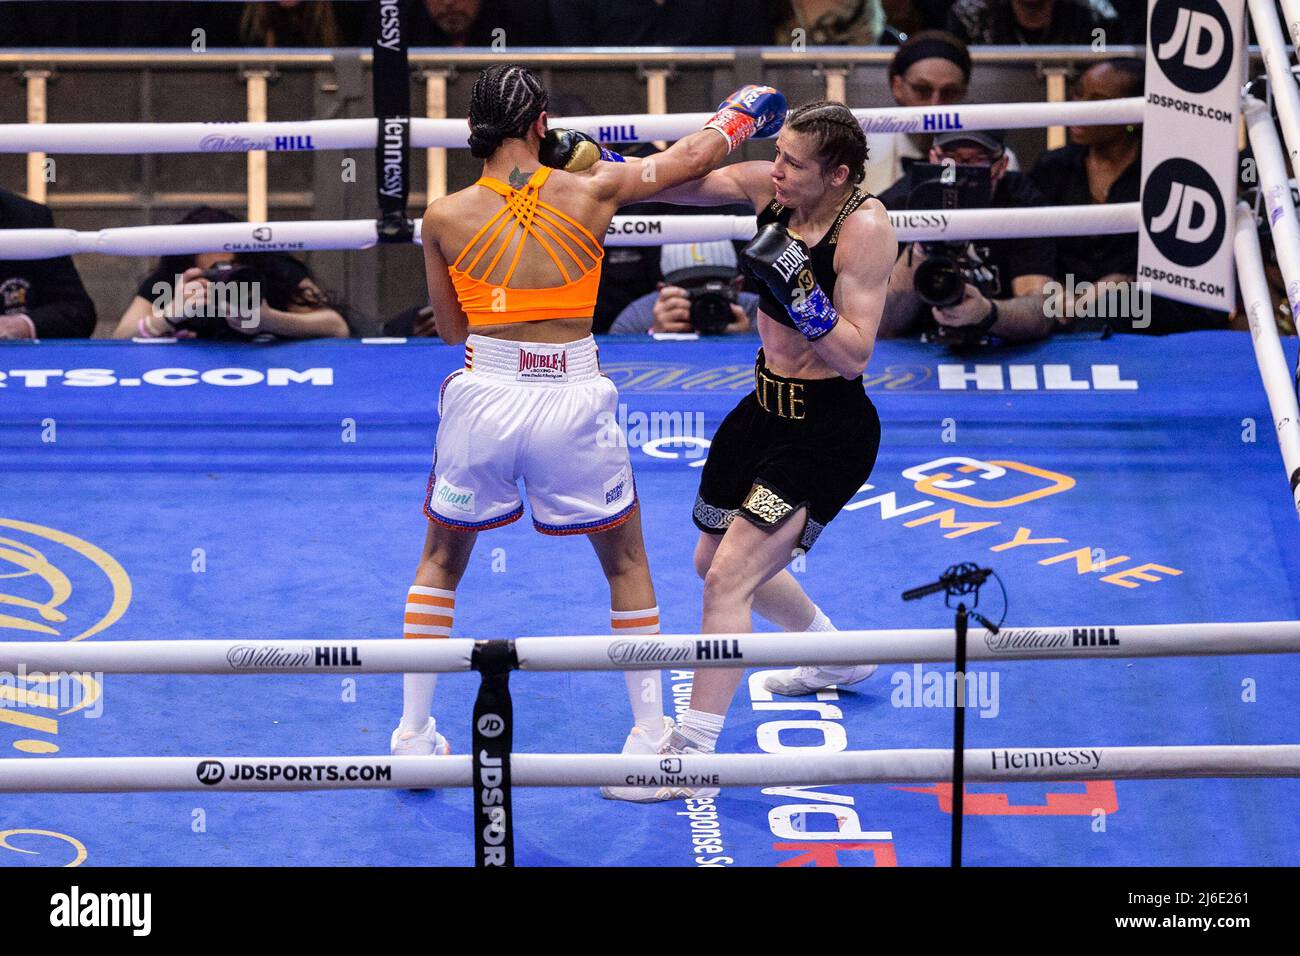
[(750, 111), (780, 260)]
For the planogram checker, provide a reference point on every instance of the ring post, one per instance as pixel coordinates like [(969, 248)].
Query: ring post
[(494, 835)]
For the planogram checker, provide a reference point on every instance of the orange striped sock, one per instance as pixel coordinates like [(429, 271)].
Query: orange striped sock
[(644, 688), (429, 613)]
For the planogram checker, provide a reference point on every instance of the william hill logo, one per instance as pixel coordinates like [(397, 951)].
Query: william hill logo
[(279, 657), (940, 122), (718, 651), (617, 134), (1095, 637)]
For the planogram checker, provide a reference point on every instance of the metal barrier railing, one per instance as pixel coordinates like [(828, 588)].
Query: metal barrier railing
[(437, 68)]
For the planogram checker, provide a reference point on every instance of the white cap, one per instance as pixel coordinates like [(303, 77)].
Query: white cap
[(687, 260)]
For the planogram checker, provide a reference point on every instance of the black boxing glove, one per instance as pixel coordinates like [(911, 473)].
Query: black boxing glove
[(780, 260), (573, 151)]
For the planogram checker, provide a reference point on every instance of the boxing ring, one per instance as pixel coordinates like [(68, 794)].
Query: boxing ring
[(1126, 488)]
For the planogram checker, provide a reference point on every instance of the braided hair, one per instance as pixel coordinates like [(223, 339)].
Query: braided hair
[(837, 133), (507, 99)]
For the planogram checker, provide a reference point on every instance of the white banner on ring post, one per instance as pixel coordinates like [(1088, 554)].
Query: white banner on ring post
[(216, 774), (317, 135), (648, 652), (1195, 66), (1273, 370)]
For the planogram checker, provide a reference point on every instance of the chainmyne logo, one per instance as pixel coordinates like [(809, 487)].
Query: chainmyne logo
[(1183, 212), (1193, 43)]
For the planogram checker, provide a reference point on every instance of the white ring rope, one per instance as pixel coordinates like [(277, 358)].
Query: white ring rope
[(649, 652), (294, 135), (1269, 356), (1010, 764), (1277, 64), (303, 235)]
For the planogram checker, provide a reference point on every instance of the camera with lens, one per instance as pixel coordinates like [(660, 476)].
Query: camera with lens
[(212, 323), (941, 279), (711, 303)]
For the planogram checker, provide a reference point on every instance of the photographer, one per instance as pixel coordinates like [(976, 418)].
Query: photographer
[(968, 293), (234, 298), (700, 293), (39, 298)]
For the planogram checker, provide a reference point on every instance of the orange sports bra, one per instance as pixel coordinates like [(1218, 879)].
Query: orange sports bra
[(484, 302)]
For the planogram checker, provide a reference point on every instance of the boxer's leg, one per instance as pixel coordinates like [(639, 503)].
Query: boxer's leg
[(780, 599), (633, 610), (430, 610), (747, 558)]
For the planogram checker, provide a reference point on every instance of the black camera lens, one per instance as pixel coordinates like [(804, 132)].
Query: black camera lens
[(711, 308), (939, 281)]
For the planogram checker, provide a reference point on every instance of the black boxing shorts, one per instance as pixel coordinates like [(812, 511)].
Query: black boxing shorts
[(790, 443)]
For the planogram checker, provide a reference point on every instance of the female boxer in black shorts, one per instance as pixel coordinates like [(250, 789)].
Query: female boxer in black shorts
[(797, 448)]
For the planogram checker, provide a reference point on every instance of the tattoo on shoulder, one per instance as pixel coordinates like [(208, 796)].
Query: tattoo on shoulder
[(518, 179)]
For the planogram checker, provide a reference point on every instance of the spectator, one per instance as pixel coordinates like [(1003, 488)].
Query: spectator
[(1009, 300), (585, 23), (289, 23), (39, 298), (702, 284), (1034, 22), (289, 304), (1103, 164), (473, 23), (932, 68), (832, 22)]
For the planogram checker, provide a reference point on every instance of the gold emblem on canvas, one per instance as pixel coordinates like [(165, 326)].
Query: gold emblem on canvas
[(781, 398), (766, 505)]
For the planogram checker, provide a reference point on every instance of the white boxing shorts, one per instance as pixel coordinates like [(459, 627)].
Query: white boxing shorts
[(543, 413)]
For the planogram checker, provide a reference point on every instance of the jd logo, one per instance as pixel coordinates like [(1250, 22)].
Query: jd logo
[(211, 772), (490, 725), (1183, 212), (1193, 43)]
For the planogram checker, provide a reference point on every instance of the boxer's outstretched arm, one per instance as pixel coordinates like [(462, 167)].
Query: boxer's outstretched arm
[(863, 262), (738, 183), (689, 158)]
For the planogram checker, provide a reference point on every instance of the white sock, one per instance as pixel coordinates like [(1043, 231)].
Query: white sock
[(701, 728), (429, 614), (820, 621), (645, 690)]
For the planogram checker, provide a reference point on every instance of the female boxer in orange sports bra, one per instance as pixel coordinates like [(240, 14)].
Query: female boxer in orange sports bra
[(514, 262)]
